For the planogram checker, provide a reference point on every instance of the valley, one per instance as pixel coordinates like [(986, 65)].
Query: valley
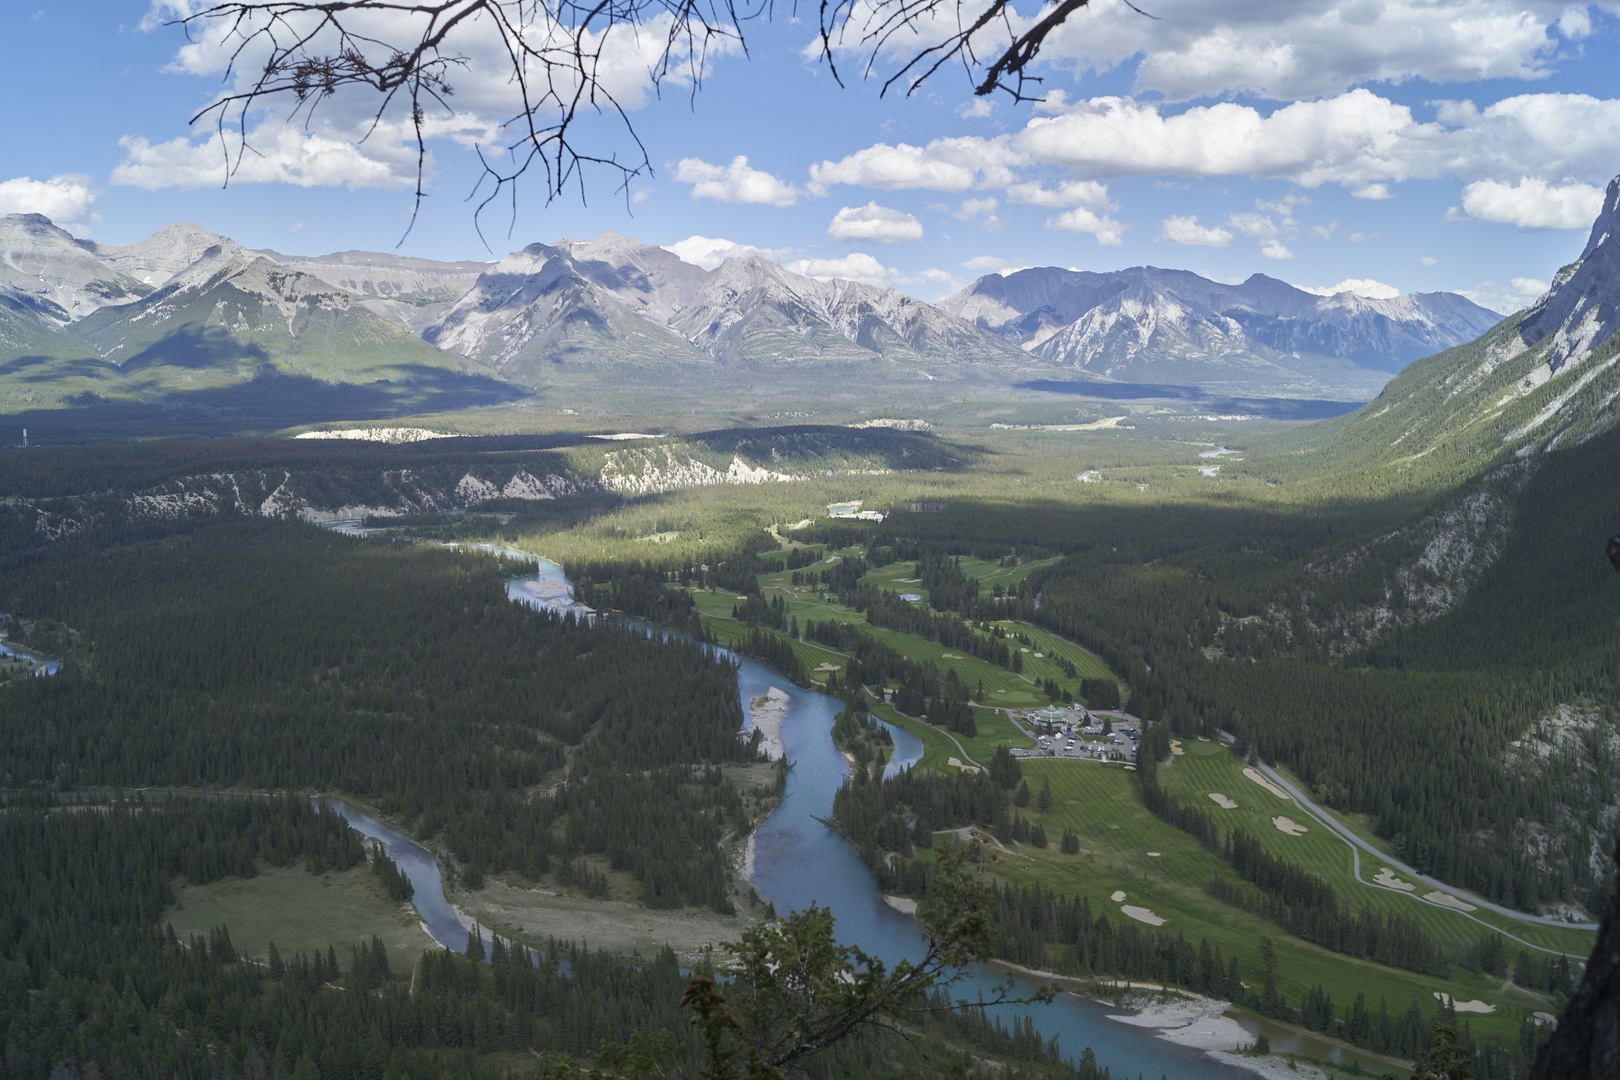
[(1365, 665)]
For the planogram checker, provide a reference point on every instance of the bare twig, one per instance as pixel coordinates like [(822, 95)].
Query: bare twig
[(309, 51)]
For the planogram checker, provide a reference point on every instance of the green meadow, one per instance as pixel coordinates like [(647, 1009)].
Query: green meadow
[(301, 912), (1125, 849), (1209, 767)]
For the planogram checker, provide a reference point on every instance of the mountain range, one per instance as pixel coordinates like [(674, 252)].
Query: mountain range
[(188, 317), (1172, 326)]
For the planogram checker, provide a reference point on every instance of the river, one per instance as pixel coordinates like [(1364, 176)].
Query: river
[(799, 861)]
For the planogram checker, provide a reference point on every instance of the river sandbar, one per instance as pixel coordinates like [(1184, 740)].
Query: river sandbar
[(765, 715)]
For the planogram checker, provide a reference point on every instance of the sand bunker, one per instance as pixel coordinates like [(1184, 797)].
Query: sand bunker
[(1467, 1006), (956, 763), (949, 656), (1447, 900), (1119, 894), (1267, 784), (1142, 914), (1546, 1018), (765, 715), (1039, 656), (1175, 747), (1226, 804), (1154, 854), (1130, 768), (1386, 877), (1289, 826), (828, 667)]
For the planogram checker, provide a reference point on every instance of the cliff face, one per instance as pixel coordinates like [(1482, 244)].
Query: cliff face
[(1586, 1045)]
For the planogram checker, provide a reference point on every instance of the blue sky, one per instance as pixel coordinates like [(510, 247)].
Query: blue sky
[(1439, 145)]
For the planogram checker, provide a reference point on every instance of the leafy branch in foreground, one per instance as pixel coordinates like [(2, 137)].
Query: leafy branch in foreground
[(790, 990)]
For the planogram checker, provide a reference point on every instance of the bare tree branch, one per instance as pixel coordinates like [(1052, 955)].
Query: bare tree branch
[(554, 54)]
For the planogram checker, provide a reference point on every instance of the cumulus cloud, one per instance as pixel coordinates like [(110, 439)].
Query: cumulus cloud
[(710, 252), (1516, 295), (1314, 48), (1088, 193), (66, 199), (624, 59), (735, 183), (1109, 233), (995, 263), (1372, 290), (1267, 232), (857, 266), (1530, 204), (1304, 49), (878, 224), (1427, 260), (1358, 140), (981, 210), (1186, 230), (955, 164), (280, 155)]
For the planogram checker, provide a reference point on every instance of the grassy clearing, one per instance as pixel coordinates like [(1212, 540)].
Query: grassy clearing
[(301, 912), (1100, 802), (1207, 767)]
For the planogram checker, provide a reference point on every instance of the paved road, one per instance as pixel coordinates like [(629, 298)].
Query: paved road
[(1358, 845)]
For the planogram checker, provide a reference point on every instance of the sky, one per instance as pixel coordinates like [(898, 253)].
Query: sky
[(1377, 145)]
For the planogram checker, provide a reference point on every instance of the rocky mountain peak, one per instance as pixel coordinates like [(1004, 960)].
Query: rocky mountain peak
[(1580, 311)]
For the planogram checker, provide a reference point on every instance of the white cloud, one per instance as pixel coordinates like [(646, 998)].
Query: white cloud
[(735, 183), (280, 155), (1531, 204), (66, 199), (977, 109), (297, 227), (1109, 233), (710, 252), (1269, 234), (994, 263), (879, 224), (956, 164), (1186, 230), (1519, 293), (1358, 140), (486, 99), (1427, 260), (1313, 48), (983, 210), (1087, 193), (1372, 290), (1373, 192), (857, 266)]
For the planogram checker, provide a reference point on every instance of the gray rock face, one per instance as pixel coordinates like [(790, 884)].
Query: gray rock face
[(746, 311), (1136, 323), (63, 279), (1580, 311), (1586, 1045)]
